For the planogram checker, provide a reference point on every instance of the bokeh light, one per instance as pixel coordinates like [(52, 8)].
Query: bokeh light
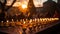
[(24, 6)]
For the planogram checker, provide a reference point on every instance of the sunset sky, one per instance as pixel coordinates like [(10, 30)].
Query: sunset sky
[(37, 3)]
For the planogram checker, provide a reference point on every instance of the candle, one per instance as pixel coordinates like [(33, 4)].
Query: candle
[(41, 19), (30, 21), (12, 23), (35, 19), (24, 22), (26, 19), (7, 23), (45, 19), (38, 20), (21, 20), (17, 20), (2, 24), (52, 19), (49, 19), (12, 20), (24, 25), (56, 18), (2, 21)]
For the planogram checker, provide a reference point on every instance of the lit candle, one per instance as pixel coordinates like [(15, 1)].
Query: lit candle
[(35, 19), (12, 23), (24, 22), (1, 21), (7, 23), (17, 20), (24, 25), (30, 21), (26, 19), (30, 25), (52, 19), (23, 19), (56, 18), (41, 19), (12, 20), (45, 19), (38, 20), (2, 24)]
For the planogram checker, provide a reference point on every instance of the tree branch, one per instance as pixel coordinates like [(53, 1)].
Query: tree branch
[(5, 2), (11, 5)]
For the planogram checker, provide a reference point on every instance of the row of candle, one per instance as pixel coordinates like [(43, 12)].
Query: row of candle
[(26, 21), (34, 25), (31, 26)]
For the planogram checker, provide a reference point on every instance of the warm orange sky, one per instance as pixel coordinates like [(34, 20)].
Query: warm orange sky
[(37, 3)]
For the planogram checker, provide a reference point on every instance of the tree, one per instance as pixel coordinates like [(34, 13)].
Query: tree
[(4, 8), (49, 7), (31, 8)]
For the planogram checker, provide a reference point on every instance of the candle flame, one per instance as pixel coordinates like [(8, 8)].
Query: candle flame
[(24, 22), (7, 21)]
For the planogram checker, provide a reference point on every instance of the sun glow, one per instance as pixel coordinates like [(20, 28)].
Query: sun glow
[(24, 6)]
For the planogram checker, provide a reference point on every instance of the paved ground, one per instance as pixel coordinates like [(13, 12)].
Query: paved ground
[(18, 30), (53, 30)]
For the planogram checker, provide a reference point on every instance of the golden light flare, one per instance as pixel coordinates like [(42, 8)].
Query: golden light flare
[(24, 6)]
